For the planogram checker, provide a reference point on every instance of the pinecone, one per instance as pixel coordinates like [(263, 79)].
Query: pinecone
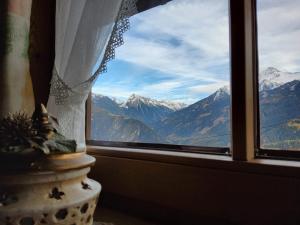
[(19, 133)]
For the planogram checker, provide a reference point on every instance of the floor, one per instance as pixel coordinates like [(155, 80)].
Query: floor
[(105, 216)]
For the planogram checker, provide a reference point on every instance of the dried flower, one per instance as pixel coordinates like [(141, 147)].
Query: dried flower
[(19, 132)]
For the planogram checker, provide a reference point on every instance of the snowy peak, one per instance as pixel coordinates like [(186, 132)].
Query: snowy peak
[(136, 100), (220, 93), (272, 78), (265, 85), (224, 89), (174, 105)]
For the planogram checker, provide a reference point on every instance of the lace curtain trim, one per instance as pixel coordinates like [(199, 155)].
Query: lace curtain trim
[(65, 94)]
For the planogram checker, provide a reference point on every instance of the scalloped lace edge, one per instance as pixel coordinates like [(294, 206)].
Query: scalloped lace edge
[(65, 94)]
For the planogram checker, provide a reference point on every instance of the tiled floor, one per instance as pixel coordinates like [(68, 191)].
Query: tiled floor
[(110, 217)]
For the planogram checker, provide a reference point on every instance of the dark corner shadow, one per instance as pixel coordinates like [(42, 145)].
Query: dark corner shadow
[(143, 5), (3, 31), (41, 47), (3, 34)]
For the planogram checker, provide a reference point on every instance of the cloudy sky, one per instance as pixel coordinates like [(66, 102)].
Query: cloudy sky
[(180, 51)]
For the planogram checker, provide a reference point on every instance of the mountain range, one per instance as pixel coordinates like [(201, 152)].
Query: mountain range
[(204, 123)]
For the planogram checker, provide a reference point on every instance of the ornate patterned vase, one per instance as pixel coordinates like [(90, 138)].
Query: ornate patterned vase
[(38, 190)]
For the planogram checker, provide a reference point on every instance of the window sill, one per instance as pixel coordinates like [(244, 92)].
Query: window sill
[(218, 162), (181, 181)]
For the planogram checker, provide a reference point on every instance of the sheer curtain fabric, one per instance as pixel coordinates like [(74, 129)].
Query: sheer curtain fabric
[(84, 41)]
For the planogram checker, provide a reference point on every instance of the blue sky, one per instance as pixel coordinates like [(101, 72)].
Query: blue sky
[(180, 51)]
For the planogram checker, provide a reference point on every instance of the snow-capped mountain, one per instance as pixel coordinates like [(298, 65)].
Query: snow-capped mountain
[(138, 107), (221, 92), (265, 85), (269, 79), (148, 110), (136, 100), (174, 105), (207, 121), (272, 78), (204, 123)]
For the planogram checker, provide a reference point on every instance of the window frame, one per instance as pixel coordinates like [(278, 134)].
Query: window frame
[(163, 147), (262, 153), (244, 96)]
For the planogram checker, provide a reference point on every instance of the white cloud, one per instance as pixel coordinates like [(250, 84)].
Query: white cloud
[(279, 34), (207, 88), (179, 61), (199, 30), (188, 42), (112, 91)]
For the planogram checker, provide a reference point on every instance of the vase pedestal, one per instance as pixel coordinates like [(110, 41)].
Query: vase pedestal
[(50, 190)]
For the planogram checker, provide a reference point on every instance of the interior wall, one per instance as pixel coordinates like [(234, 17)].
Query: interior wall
[(234, 197)]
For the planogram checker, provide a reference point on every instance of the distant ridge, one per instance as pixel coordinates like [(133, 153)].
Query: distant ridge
[(205, 122)]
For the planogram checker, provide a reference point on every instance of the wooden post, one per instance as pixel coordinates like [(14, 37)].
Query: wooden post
[(42, 47), (243, 79), (15, 80)]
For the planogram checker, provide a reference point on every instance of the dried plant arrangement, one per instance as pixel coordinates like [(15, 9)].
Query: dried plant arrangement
[(20, 133)]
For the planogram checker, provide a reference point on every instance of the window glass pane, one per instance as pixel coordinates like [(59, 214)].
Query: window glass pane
[(279, 73), (169, 83)]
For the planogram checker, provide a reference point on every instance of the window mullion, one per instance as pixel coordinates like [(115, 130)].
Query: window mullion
[(88, 117), (242, 21)]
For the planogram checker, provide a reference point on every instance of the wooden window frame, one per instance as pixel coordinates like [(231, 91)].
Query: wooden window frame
[(244, 100), (284, 154), (207, 184)]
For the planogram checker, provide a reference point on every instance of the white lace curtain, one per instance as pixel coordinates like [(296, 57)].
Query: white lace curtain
[(87, 32)]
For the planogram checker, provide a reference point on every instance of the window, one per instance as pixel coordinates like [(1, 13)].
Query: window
[(260, 117), (279, 77), (169, 85)]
